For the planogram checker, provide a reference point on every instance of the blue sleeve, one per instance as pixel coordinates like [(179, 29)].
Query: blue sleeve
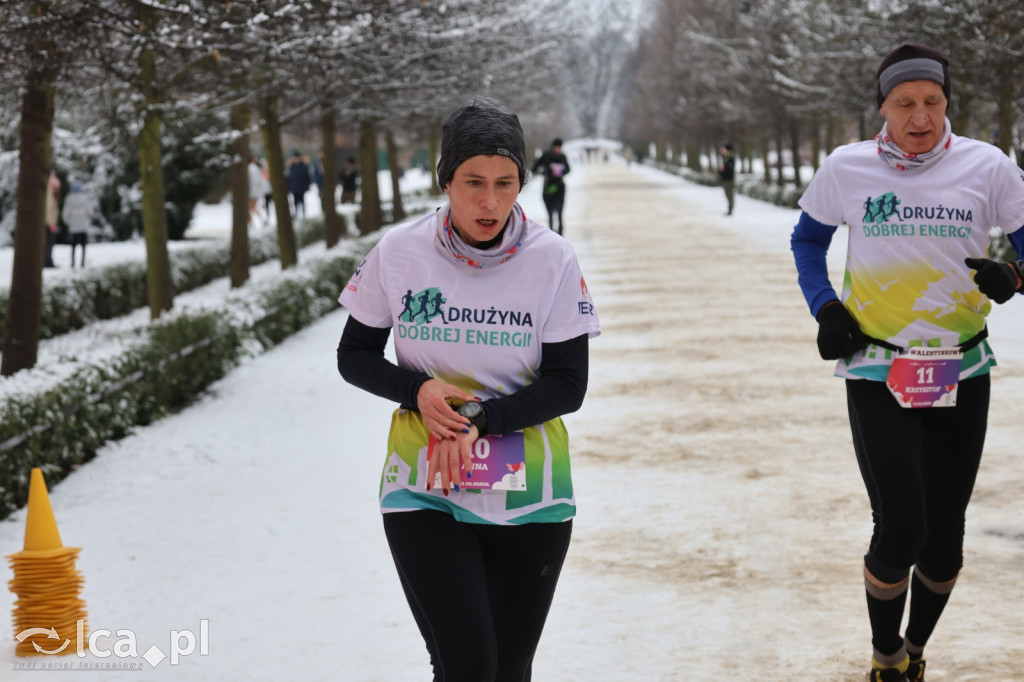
[(1017, 239), (810, 242)]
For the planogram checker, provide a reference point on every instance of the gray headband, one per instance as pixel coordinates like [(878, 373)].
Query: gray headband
[(919, 69)]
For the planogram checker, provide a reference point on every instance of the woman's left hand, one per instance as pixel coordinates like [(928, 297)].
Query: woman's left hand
[(443, 422), (449, 457)]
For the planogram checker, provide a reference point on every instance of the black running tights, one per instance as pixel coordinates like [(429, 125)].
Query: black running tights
[(919, 467), (479, 593)]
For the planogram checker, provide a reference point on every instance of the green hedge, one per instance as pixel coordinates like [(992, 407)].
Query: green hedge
[(102, 293), (785, 195), (166, 365)]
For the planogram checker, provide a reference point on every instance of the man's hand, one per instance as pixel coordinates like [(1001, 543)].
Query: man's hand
[(839, 335), (996, 279)]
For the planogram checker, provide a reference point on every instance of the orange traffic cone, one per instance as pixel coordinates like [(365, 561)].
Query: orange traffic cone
[(48, 607), (41, 534)]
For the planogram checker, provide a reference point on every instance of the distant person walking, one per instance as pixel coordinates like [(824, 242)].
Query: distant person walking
[(52, 216), (555, 166), (258, 188), (318, 172), (77, 215), (348, 178), (268, 197), (299, 180), (727, 174)]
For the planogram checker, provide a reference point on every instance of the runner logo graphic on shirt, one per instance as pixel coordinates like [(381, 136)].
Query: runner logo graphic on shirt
[(881, 209), (887, 216), (421, 308), (424, 317)]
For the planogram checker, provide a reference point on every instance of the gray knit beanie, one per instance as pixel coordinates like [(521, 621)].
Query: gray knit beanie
[(482, 126), (910, 62)]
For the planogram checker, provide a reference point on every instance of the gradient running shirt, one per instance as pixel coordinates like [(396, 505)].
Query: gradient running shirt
[(909, 232), (481, 330)]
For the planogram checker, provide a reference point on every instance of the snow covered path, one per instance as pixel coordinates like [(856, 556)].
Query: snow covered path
[(721, 518)]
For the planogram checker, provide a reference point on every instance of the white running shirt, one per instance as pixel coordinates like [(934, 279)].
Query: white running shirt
[(481, 330), (905, 280)]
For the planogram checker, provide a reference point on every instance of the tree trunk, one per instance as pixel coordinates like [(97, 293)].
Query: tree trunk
[(1004, 115), (661, 151), (780, 177), (159, 286), (794, 144), (397, 209), (815, 142), (271, 128), (693, 154), (370, 218), (241, 115), (433, 143), (24, 308), (960, 122), (332, 224), (765, 155), (831, 134)]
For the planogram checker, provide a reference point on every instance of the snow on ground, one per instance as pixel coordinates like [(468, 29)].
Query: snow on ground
[(721, 520)]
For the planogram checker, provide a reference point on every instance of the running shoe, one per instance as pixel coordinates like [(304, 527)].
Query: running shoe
[(886, 675)]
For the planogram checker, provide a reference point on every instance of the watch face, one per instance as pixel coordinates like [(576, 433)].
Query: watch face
[(470, 410)]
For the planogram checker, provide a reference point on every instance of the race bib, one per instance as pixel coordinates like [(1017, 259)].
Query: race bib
[(499, 463), (925, 377)]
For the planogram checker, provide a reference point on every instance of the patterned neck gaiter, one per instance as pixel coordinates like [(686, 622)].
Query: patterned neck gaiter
[(451, 245), (896, 158)]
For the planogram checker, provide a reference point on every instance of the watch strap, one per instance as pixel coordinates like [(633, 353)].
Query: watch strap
[(480, 420)]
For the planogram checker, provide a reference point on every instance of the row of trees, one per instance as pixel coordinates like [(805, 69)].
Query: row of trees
[(782, 79), (125, 71), (795, 78)]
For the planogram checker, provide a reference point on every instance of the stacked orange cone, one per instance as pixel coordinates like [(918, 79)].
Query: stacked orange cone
[(48, 608)]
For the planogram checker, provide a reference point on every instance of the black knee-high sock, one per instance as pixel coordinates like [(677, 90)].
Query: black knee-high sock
[(885, 611), (927, 600)]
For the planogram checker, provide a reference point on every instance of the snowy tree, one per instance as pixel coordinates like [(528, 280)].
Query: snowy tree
[(153, 50), (33, 54), (594, 55)]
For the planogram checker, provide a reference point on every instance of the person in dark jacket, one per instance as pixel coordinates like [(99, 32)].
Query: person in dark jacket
[(299, 181), (348, 178), (555, 166), (727, 174)]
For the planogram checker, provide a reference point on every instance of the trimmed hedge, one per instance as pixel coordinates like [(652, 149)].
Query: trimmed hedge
[(785, 195), (102, 293), (166, 365)]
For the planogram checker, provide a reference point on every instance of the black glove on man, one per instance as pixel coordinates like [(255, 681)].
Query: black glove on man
[(996, 279), (839, 336)]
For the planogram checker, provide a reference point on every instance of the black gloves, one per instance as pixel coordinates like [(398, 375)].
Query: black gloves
[(839, 336), (996, 279)]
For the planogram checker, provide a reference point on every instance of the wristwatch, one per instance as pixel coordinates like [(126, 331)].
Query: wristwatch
[(1019, 265), (474, 412)]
